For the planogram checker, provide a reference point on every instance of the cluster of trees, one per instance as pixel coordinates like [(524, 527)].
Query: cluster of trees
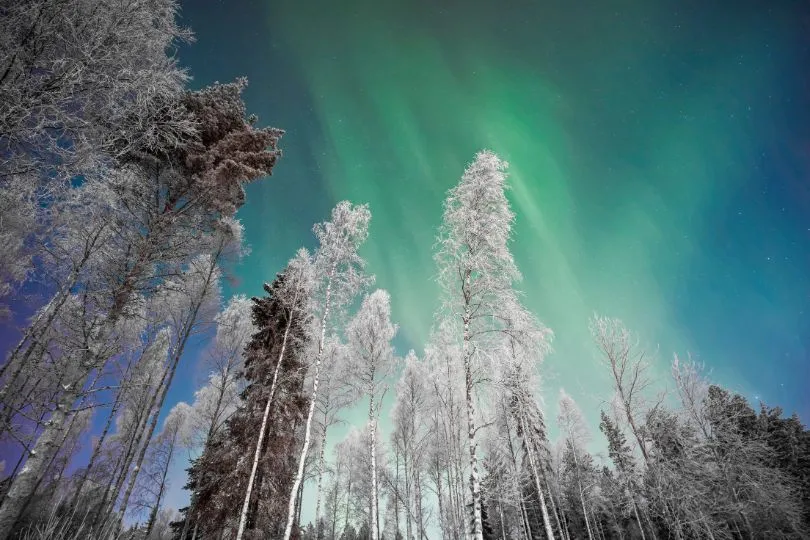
[(119, 190), (467, 452)]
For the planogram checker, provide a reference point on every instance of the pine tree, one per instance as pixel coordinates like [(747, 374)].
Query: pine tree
[(622, 458)]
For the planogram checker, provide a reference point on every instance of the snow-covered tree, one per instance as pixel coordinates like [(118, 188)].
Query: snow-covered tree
[(188, 302), (446, 373), (340, 275), (336, 392), (371, 363), (576, 436), (476, 272), (83, 85), (152, 482), (412, 423), (629, 370), (218, 398), (293, 296), (161, 220)]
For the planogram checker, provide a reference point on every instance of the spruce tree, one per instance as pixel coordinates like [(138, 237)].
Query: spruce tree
[(219, 477)]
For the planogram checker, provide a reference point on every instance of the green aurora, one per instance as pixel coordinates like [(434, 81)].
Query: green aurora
[(659, 163)]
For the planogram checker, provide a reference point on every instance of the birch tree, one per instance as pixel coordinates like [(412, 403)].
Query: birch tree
[(218, 399), (443, 360), (575, 432), (153, 482), (371, 363), (476, 272), (339, 271), (411, 431), (125, 417), (335, 394), (82, 85), (177, 201), (629, 370), (189, 302)]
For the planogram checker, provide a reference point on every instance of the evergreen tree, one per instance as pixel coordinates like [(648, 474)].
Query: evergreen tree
[(219, 477)]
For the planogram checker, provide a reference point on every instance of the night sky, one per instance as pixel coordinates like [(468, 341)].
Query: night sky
[(660, 163)]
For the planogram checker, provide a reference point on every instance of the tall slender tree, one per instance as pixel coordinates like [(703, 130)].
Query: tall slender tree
[(218, 478), (575, 432), (336, 393), (294, 296), (476, 272), (371, 363), (340, 275)]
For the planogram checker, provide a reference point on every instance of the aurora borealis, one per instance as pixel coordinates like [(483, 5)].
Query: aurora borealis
[(660, 162)]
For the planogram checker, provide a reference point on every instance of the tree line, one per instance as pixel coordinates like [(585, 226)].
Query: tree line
[(119, 191)]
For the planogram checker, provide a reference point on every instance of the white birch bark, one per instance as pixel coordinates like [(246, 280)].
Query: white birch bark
[(475, 484), (257, 454), (372, 425), (308, 429), (321, 458), (536, 476), (188, 324), (38, 460)]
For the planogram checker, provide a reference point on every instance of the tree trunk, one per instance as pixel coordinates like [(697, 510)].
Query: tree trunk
[(144, 445), (581, 492), (299, 500), (419, 515), (313, 398), (348, 499), (638, 519), (166, 383), (243, 515), (335, 502), (451, 514), (527, 529), (475, 486), (530, 451), (408, 528), (554, 510), (397, 496), (372, 429), (50, 440), (153, 514), (96, 452), (45, 447), (440, 497), (500, 515), (320, 475), (39, 459), (117, 479), (35, 331)]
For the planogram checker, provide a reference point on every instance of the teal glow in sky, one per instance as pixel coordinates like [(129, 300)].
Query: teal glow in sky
[(660, 161)]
